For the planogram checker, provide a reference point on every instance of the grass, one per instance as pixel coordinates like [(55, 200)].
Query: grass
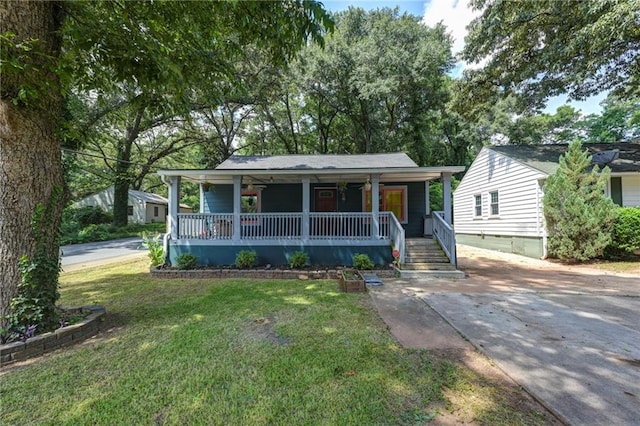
[(238, 352)]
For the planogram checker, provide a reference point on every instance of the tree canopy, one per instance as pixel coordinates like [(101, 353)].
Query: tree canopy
[(543, 48)]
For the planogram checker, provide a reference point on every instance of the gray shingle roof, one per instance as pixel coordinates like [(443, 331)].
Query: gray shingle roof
[(316, 162), (545, 157)]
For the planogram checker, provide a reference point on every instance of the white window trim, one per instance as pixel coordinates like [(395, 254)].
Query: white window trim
[(491, 214), (474, 206)]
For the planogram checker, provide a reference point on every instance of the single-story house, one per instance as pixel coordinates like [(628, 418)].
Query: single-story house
[(329, 206), (143, 207), (498, 203)]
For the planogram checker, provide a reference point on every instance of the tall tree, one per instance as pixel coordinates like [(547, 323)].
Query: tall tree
[(170, 47), (543, 48), (579, 215), (30, 115)]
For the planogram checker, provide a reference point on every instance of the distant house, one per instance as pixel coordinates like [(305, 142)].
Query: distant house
[(143, 207), (498, 203)]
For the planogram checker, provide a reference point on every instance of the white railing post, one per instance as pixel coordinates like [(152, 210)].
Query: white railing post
[(375, 207), (446, 195), (306, 209), (237, 200)]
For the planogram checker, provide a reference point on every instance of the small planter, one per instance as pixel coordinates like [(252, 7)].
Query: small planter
[(351, 281)]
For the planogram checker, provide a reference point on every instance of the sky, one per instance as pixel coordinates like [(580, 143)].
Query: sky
[(456, 15)]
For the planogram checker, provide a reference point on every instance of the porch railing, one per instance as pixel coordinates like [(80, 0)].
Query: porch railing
[(278, 226), (443, 232), (396, 234)]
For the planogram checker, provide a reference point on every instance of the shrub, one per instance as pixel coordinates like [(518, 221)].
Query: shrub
[(362, 261), (186, 261), (89, 215), (579, 216), (298, 259), (246, 258), (156, 251), (626, 231), (94, 233)]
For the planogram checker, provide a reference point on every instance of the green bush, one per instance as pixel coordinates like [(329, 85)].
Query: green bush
[(186, 261), (246, 259), (94, 233), (362, 261), (88, 215), (298, 260), (626, 231)]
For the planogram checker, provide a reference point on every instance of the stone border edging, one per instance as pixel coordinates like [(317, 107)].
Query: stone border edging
[(328, 274), (52, 340)]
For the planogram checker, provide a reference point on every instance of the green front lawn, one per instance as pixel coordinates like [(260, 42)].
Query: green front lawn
[(190, 352)]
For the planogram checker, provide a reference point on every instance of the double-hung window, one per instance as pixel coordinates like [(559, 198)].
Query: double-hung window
[(477, 207), (494, 206)]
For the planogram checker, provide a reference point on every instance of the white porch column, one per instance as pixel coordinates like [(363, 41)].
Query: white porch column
[(306, 208), (427, 204), (446, 195), (174, 202), (375, 206), (201, 210), (237, 200)]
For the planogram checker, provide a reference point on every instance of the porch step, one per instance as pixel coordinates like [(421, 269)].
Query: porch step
[(424, 257), (430, 266)]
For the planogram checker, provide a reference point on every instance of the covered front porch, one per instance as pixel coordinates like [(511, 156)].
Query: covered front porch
[(329, 213)]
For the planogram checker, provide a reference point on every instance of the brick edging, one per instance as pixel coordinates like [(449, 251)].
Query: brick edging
[(328, 274), (50, 341)]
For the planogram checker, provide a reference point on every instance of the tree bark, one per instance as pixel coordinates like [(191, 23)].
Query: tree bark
[(30, 164)]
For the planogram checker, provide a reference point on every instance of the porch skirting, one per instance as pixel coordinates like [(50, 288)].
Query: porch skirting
[(323, 253)]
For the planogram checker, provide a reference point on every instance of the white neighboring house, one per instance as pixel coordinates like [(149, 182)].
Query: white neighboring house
[(498, 203), (143, 207)]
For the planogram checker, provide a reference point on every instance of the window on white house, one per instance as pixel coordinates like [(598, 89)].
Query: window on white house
[(495, 209), (155, 211), (129, 210), (478, 206)]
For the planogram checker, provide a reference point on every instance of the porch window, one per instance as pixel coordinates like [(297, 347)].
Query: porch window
[(495, 209), (250, 202), (478, 205), (392, 199)]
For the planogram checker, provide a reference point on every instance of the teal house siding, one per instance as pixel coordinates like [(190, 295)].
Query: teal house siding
[(219, 199), (278, 255)]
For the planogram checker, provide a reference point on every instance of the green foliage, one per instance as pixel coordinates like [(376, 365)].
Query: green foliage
[(541, 48), (246, 258), (186, 261), (579, 216), (298, 260), (35, 302), (154, 245), (362, 261), (87, 215), (626, 231)]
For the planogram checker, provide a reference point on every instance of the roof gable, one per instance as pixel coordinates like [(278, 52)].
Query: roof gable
[(317, 162)]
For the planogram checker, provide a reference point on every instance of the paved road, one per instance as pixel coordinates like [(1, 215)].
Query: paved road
[(77, 255)]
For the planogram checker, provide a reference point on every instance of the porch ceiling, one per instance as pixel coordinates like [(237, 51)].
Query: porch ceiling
[(265, 177)]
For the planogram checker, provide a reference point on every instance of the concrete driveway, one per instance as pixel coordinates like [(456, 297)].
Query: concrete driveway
[(570, 336)]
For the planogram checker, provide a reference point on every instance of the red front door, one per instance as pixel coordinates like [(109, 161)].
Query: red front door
[(326, 200)]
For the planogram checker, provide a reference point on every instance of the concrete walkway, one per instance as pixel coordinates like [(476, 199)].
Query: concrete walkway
[(574, 345)]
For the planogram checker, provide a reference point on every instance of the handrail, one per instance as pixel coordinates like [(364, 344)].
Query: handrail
[(396, 234), (445, 235)]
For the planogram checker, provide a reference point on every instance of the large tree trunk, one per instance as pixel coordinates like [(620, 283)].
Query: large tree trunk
[(30, 165)]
